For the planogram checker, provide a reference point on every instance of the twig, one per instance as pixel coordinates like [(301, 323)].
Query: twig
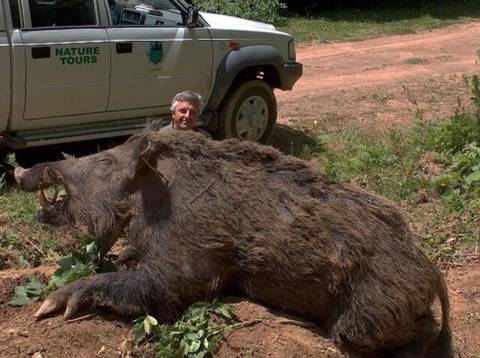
[(236, 325), (458, 337), (155, 170), (443, 228), (61, 324), (34, 246), (449, 226), (87, 316), (247, 323), (203, 191), (296, 323)]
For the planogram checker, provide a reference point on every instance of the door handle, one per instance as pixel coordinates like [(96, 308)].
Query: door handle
[(124, 47), (41, 52)]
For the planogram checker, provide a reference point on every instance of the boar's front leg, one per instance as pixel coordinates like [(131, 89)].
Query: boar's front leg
[(126, 293)]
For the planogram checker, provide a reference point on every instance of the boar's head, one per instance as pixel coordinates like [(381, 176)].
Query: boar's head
[(94, 191)]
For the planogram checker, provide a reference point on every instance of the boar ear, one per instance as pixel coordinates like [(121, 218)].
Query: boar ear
[(146, 157)]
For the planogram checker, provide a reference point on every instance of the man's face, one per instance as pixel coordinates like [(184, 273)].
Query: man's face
[(185, 115)]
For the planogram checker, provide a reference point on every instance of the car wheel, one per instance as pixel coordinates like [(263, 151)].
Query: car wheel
[(249, 112)]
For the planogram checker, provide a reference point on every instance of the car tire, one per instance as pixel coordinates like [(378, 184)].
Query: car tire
[(249, 112)]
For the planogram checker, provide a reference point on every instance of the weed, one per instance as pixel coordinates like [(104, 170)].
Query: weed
[(389, 163), (8, 241), (77, 265), (22, 262), (416, 61), (20, 205), (28, 293), (410, 95), (197, 334)]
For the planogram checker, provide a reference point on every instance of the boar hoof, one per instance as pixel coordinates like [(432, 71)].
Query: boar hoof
[(47, 307), (72, 297)]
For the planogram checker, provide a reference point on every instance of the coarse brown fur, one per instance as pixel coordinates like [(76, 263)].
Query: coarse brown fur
[(206, 217)]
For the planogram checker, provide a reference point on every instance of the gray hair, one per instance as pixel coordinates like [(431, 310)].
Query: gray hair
[(187, 96)]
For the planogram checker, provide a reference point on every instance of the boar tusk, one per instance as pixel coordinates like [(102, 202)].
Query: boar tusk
[(47, 178), (42, 198), (18, 172), (55, 194)]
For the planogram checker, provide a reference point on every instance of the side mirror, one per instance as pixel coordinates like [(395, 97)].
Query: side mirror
[(192, 17)]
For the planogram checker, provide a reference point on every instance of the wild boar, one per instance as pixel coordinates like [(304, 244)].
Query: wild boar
[(206, 217)]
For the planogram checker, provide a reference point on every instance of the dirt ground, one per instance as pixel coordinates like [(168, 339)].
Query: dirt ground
[(376, 84)]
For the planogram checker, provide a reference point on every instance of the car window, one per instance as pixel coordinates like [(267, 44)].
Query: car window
[(145, 13), (15, 12), (62, 13)]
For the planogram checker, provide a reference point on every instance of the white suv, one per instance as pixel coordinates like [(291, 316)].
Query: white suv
[(84, 69)]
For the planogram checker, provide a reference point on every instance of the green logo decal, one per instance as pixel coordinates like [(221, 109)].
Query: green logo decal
[(155, 55)]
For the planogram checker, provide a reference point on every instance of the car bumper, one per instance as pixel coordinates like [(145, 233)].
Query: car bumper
[(289, 74)]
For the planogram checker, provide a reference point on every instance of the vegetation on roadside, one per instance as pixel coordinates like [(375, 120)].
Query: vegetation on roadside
[(435, 163), (70, 268), (268, 11), (383, 20), (196, 334), (350, 21)]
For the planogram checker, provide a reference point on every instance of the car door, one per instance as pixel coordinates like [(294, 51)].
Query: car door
[(5, 78), (67, 59), (154, 55)]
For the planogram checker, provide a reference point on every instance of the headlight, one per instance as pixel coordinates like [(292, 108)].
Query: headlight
[(291, 49)]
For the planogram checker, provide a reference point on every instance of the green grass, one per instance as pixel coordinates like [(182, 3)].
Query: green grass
[(23, 241), (392, 163), (357, 25), (21, 206)]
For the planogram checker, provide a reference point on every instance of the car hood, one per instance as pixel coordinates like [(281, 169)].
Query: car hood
[(231, 22)]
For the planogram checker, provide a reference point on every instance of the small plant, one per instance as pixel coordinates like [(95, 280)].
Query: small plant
[(416, 61), (196, 335), (71, 268), (28, 293), (9, 241)]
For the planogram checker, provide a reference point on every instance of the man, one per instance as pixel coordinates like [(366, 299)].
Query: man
[(185, 109)]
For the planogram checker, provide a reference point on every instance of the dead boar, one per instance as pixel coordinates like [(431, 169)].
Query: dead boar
[(205, 217)]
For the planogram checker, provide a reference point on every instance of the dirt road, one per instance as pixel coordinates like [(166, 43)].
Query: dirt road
[(377, 83), (382, 82)]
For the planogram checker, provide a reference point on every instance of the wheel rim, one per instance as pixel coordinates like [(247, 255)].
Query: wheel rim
[(252, 118)]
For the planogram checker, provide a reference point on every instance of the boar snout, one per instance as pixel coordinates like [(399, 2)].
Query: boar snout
[(18, 174)]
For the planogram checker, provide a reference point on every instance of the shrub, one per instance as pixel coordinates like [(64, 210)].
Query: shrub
[(266, 11)]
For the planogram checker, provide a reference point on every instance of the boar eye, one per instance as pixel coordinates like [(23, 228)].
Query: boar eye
[(105, 161)]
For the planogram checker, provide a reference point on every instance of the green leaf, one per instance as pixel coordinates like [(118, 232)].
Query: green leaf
[(194, 346), (152, 320), (34, 287), (21, 291), (192, 336), (21, 301), (186, 348), (179, 352), (473, 177), (224, 311), (138, 333), (147, 326)]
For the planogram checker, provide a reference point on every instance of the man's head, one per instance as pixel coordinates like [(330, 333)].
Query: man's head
[(186, 108)]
